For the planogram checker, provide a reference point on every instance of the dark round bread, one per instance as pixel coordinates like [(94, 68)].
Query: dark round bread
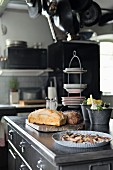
[(73, 117)]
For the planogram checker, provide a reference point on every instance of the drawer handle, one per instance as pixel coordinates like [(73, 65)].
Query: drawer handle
[(22, 166), (100, 164), (11, 134), (22, 146), (13, 154), (40, 165)]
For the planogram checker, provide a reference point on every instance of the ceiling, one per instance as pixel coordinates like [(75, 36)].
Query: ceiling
[(108, 4)]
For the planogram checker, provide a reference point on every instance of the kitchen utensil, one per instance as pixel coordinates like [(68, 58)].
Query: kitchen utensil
[(105, 18), (64, 12), (30, 93), (74, 70), (57, 138), (45, 128), (15, 43), (91, 16), (76, 24), (85, 112), (75, 86), (80, 5), (101, 117), (35, 10)]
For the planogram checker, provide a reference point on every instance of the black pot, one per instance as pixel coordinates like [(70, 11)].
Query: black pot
[(64, 12), (91, 16), (80, 5), (35, 10), (105, 18), (100, 117)]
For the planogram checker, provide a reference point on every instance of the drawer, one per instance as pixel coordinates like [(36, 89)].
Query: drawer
[(23, 147), (15, 162), (11, 134), (99, 165), (39, 162)]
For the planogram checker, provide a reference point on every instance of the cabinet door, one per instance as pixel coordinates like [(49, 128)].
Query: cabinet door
[(11, 158), (20, 165), (39, 162)]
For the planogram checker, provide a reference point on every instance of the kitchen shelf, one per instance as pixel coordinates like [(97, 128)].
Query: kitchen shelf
[(24, 72)]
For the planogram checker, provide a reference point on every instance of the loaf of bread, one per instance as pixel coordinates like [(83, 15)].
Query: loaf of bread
[(47, 117), (73, 117)]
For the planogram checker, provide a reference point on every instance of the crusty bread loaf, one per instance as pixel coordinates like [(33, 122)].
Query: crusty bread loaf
[(47, 117)]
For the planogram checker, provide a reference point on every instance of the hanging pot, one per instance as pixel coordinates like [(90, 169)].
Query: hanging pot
[(56, 21), (64, 12), (35, 10), (80, 5), (105, 18), (44, 4), (91, 16), (76, 23)]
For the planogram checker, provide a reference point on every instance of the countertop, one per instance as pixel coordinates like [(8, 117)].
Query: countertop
[(13, 110), (59, 154)]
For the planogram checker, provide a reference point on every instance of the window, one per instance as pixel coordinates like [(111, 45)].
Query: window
[(106, 68)]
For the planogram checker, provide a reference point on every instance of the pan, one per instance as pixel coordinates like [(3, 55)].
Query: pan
[(64, 12), (76, 23), (105, 18), (91, 16), (49, 6), (66, 18), (35, 10), (80, 5)]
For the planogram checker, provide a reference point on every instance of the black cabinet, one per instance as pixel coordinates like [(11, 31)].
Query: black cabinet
[(18, 151), (29, 149), (59, 56), (24, 156)]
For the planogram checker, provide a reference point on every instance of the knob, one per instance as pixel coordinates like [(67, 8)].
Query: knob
[(22, 166), (40, 164)]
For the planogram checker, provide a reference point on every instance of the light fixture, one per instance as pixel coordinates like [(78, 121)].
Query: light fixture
[(1, 2)]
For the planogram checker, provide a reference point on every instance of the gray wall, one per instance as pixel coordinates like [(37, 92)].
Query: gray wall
[(21, 27)]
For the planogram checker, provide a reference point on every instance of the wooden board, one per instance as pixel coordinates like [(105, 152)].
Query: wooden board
[(46, 128), (31, 102)]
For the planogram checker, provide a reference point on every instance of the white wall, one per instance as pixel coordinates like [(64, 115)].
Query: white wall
[(21, 27)]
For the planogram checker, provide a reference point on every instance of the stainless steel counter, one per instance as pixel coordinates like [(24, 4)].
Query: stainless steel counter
[(59, 154)]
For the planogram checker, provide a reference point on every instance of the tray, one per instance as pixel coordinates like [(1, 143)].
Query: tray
[(74, 70), (75, 86), (74, 90), (45, 128), (56, 137), (73, 98)]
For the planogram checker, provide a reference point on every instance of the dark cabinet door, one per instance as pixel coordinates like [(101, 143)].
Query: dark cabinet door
[(11, 159)]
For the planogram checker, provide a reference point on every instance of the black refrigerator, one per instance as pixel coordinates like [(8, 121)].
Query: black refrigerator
[(59, 56)]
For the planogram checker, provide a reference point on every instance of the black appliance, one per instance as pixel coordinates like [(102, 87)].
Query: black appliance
[(25, 58), (59, 56)]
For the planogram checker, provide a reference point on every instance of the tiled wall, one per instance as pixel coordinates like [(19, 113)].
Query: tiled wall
[(27, 81)]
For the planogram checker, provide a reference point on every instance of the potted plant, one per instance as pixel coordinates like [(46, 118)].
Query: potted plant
[(13, 84), (14, 94)]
